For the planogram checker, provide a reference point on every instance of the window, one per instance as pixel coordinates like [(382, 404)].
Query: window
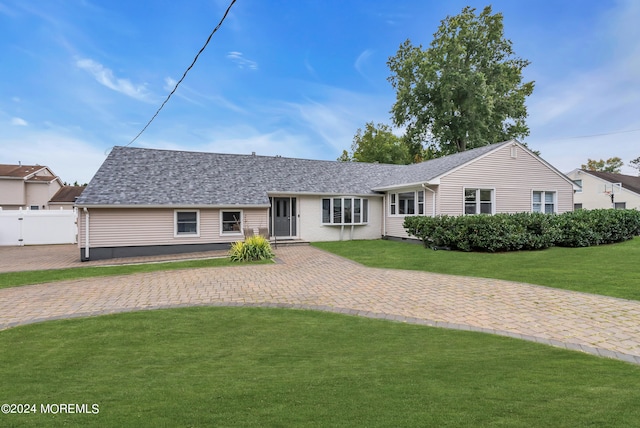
[(326, 210), (187, 223), (404, 203), (231, 222), (345, 210), (544, 202), (578, 183), (478, 201), (337, 210), (577, 207), (34, 207), (620, 205)]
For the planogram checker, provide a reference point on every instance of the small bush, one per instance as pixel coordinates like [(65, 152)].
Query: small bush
[(525, 231), (251, 249)]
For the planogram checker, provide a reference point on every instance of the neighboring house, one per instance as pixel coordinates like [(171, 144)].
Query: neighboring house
[(65, 197), (605, 190), (27, 187), (146, 201)]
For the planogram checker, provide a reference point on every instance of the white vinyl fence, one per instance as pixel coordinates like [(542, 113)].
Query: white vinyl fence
[(35, 227)]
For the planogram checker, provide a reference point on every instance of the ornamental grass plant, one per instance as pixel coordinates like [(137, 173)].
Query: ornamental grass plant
[(253, 248)]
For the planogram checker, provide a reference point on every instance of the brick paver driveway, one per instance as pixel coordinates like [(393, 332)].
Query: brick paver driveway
[(306, 277)]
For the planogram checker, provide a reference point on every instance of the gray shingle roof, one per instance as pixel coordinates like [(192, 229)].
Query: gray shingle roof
[(133, 176), (629, 182)]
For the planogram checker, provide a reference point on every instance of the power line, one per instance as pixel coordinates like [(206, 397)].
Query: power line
[(185, 72), (605, 134)]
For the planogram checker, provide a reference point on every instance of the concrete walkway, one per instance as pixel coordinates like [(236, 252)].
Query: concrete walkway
[(305, 277)]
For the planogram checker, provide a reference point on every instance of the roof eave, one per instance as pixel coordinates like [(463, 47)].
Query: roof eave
[(276, 194), (434, 182), (171, 206)]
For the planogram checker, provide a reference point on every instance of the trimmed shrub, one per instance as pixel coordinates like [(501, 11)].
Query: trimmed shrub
[(584, 228), (251, 249), (525, 231)]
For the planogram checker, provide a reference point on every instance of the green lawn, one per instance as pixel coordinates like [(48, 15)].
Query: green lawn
[(13, 279), (273, 367), (611, 270)]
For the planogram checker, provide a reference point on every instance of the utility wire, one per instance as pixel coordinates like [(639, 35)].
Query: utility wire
[(604, 134), (185, 72)]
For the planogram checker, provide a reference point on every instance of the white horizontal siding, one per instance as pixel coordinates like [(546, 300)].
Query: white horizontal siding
[(138, 227), (593, 197), (394, 223), (310, 227), (514, 180)]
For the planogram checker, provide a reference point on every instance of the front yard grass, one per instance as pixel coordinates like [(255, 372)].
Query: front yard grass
[(611, 270), (209, 366), (14, 279)]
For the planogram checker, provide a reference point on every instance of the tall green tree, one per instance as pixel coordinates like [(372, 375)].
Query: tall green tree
[(465, 91), (610, 165), (376, 143), (635, 164)]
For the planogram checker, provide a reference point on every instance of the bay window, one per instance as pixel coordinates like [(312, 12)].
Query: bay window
[(345, 210)]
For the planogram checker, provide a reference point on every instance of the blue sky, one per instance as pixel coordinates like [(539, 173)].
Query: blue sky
[(290, 78)]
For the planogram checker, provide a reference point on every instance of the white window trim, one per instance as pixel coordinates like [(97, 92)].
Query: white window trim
[(362, 209), (580, 185), (415, 203), (542, 201), (239, 232), (175, 224), (478, 188)]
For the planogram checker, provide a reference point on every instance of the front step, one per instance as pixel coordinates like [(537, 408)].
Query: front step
[(287, 242)]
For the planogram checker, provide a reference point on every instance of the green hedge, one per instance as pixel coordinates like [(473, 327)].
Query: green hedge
[(525, 231)]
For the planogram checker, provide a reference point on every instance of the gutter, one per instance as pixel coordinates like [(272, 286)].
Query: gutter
[(228, 206), (435, 181)]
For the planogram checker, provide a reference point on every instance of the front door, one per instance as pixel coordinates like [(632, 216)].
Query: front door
[(283, 216)]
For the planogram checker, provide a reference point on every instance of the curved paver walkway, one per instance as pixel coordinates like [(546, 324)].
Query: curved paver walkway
[(306, 277)]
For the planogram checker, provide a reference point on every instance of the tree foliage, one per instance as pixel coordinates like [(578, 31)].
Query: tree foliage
[(635, 164), (376, 143), (465, 90), (610, 165)]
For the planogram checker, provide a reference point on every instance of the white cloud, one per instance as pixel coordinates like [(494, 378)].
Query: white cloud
[(17, 121), (336, 115), (310, 69), (69, 157), (239, 139), (362, 60), (592, 113), (241, 61), (200, 98), (105, 77), (169, 84)]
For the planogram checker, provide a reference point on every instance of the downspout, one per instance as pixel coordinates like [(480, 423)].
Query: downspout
[(433, 198), (384, 215), (86, 233)]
